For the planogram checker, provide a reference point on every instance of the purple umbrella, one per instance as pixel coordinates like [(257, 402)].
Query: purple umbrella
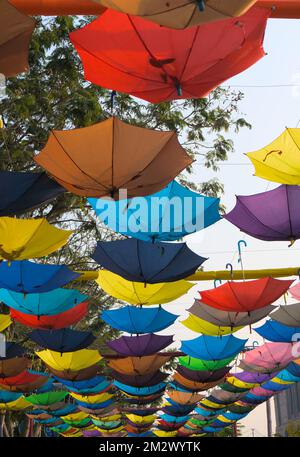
[(146, 380), (270, 216), (203, 376), (253, 378), (91, 433), (141, 345)]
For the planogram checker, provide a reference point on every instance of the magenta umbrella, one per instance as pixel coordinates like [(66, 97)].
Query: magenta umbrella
[(269, 357), (261, 392)]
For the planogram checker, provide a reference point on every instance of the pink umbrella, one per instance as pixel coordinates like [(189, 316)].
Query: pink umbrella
[(295, 291), (270, 356), (261, 392)]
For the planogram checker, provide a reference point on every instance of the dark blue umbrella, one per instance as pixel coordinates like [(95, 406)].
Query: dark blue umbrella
[(213, 347), (10, 350), (276, 332), (28, 277), (294, 369), (139, 346), (132, 319), (147, 262), (21, 192), (140, 380), (68, 409), (63, 340)]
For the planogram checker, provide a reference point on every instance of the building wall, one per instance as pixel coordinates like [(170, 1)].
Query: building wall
[(287, 408)]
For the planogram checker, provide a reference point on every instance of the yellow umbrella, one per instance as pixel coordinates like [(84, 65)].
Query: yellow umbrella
[(163, 434), (280, 160), (201, 326), (92, 399), (281, 381), (113, 430), (211, 404), (141, 419), (17, 405), (138, 293), (5, 321), (73, 361), (75, 417), (29, 238), (241, 384), (77, 434), (224, 419), (114, 417)]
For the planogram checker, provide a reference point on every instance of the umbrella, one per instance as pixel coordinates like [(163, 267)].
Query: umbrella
[(194, 385), (269, 356), (92, 399), (194, 363), (76, 375), (151, 219), (64, 340), (288, 315), (178, 14), (278, 162), (42, 304), (184, 398), (233, 320), (82, 385), (245, 296), (25, 377), (276, 332), (131, 319), (140, 365), (91, 162), (54, 322), (10, 350), (7, 397), (137, 57), (27, 238), (139, 346), (21, 192), (140, 391), (16, 30), (13, 367), (223, 397), (206, 328), (238, 408), (164, 434), (147, 263), (17, 405), (269, 216), (140, 380), (295, 291), (28, 277), (71, 361), (48, 398), (250, 377), (213, 348), (203, 376), (137, 293), (5, 321)]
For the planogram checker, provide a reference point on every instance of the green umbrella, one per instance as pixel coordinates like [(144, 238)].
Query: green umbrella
[(48, 398), (204, 365)]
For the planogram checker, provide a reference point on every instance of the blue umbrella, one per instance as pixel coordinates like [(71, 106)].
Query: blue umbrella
[(285, 375), (147, 262), (28, 277), (170, 418), (63, 340), (64, 411), (21, 191), (132, 319), (82, 385), (167, 215), (207, 413), (45, 304), (254, 399), (175, 409), (276, 332), (140, 391), (276, 387), (91, 390), (6, 397), (212, 347), (141, 435), (95, 406), (234, 416), (294, 369)]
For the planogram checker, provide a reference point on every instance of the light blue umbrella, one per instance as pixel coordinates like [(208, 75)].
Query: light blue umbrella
[(140, 391), (213, 347), (278, 333)]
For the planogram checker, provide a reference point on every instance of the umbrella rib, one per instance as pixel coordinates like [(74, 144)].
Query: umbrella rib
[(189, 53), (289, 211)]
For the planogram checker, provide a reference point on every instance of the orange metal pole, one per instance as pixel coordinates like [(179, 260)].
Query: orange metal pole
[(282, 9), (57, 7)]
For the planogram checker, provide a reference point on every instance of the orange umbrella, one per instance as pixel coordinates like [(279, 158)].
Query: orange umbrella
[(184, 398), (100, 160), (85, 373), (140, 365), (194, 385), (57, 7), (13, 367)]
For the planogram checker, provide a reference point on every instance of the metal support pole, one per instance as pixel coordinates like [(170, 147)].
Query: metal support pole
[(269, 418)]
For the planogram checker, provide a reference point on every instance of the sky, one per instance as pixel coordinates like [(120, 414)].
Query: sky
[(269, 110)]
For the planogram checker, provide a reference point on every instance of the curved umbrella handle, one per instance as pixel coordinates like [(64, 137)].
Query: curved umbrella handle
[(229, 266), (217, 281), (255, 344), (240, 249)]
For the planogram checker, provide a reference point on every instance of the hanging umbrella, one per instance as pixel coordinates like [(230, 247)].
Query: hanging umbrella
[(25, 377), (139, 346), (194, 363), (194, 385), (16, 30), (151, 219), (206, 328), (140, 365), (295, 291), (269, 356), (250, 377), (140, 391), (239, 408), (278, 162), (5, 321), (27, 238), (54, 322), (92, 399), (79, 386), (17, 405), (245, 296), (90, 162), (10, 350), (148, 263), (76, 375), (70, 361), (234, 320), (178, 14), (288, 315), (28, 277), (213, 348), (7, 397), (137, 293), (140, 380), (131, 319), (64, 340), (21, 192), (48, 398), (269, 216), (223, 397), (279, 333), (184, 398), (203, 376), (41, 304), (137, 57), (13, 367)]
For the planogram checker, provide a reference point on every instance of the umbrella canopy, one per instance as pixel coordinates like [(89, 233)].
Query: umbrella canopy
[(137, 57), (28, 238), (226, 398), (48, 398), (13, 367), (82, 385), (147, 263), (140, 380), (73, 361), (7, 397), (269, 216), (139, 346), (11, 350), (288, 315), (270, 356), (24, 378), (276, 332), (137, 293), (140, 391), (250, 377), (28, 277), (195, 386), (213, 348), (64, 340), (245, 296), (206, 328), (203, 376), (150, 218), (238, 408), (21, 192), (295, 291), (184, 398), (42, 304), (16, 30), (278, 162), (90, 162), (178, 14), (54, 322), (131, 319), (140, 365), (194, 363), (17, 405), (5, 321), (76, 375)]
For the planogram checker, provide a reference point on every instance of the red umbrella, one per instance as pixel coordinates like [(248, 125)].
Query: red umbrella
[(131, 55), (55, 322), (22, 379), (246, 295)]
